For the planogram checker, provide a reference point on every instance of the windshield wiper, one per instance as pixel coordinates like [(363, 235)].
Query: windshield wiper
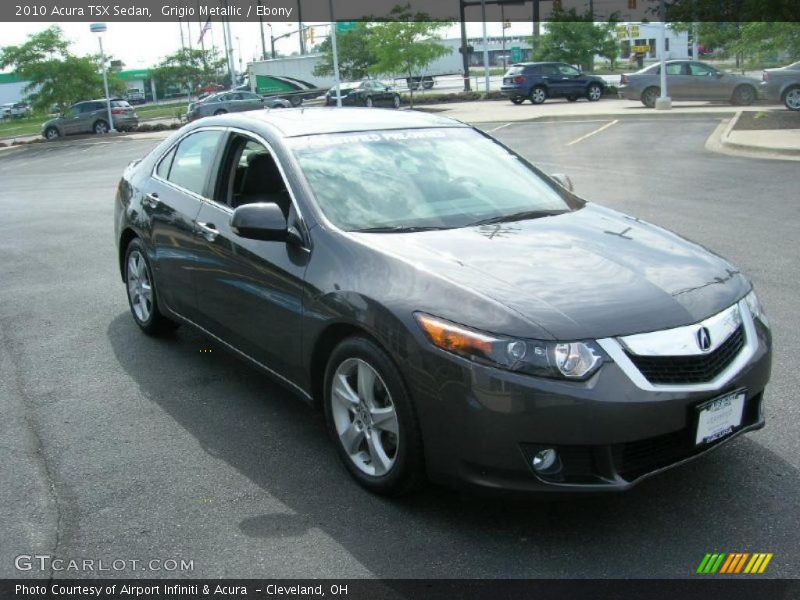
[(519, 216), (400, 229)]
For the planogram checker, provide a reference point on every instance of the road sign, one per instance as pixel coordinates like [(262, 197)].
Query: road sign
[(516, 54), (97, 27), (343, 26)]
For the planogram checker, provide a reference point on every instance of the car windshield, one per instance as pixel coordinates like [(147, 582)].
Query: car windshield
[(442, 178), (795, 66)]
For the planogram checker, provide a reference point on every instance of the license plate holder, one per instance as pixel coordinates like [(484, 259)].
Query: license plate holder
[(719, 417)]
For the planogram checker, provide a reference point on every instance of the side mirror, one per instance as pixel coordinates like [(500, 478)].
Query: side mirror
[(263, 221), (563, 180)]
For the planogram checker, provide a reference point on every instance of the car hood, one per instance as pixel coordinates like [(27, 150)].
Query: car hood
[(590, 273)]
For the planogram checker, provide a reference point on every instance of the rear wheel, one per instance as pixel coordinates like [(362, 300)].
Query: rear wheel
[(295, 100), (594, 92), (100, 127), (220, 111), (791, 98), (371, 418), (518, 99), (142, 297), (649, 96), (538, 95), (744, 95)]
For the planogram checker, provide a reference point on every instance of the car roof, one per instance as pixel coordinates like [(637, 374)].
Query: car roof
[(294, 122)]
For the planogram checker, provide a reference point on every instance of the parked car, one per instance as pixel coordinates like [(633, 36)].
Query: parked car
[(5, 112), (91, 116), (469, 320), (538, 81), (16, 110), (369, 93), (783, 85), (228, 102), (688, 80), (135, 96)]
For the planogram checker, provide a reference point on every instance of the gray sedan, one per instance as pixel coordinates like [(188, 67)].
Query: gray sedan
[(234, 101), (783, 85), (688, 80)]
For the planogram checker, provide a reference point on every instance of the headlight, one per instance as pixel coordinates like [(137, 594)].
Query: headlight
[(754, 304), (564, 360)]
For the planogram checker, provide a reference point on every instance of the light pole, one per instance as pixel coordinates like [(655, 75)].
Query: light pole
[(99, 29), (663, 102), (485, 46), (335, 56)]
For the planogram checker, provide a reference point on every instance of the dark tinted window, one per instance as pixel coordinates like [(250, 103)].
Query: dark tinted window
[(701, 70), (120, 103), (194, 159), (533, 70), (516, 70), (548, 70), (164, 165)]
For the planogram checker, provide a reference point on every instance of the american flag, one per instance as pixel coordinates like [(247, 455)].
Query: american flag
[(205, 28)]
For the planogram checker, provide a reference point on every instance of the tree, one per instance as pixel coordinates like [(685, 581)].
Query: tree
[(576, 39), (55, 75), (189, 68), (406, 44), (355, 52)]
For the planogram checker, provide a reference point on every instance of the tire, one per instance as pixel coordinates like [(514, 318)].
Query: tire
[(100, 127), (368, 102), (594, 92), (427, 83), (650, 95), (744, 95), (791, 98), (538, 95), (396, 101), (296, 101), (517, 99), (51, 133), (138, 275), (220, 111), (384, 456)]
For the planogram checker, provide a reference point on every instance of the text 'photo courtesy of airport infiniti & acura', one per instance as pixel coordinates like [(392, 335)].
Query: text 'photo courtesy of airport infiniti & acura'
[(462, 321)]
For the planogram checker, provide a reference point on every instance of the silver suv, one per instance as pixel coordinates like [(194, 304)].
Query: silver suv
[(91, 116)]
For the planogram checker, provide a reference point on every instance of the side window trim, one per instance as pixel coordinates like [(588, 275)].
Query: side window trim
[(215, 163)]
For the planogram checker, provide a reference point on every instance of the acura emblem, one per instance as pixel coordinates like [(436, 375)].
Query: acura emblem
[(703, 339)]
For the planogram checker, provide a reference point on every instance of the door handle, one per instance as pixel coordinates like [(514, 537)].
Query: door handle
[(208, 231), (152, 200)]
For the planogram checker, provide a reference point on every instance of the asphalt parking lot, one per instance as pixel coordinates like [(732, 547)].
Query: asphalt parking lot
[(119, 446)]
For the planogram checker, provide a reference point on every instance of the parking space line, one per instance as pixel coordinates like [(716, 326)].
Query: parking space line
[(591, 133), (498, 128)]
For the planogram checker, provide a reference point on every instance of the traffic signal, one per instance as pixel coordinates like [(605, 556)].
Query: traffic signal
[(632, 4)]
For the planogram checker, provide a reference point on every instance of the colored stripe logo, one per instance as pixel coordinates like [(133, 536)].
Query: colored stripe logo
[(734, 563)]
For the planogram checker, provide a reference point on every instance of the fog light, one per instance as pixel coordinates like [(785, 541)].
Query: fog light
[(544, 460)]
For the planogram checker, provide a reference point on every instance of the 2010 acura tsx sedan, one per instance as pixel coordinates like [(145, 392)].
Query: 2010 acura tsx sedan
[(457, 314)]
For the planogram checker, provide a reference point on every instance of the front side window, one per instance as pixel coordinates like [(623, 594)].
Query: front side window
[(442, 178), (568, 70), (701, 70), (194, 160), (675, 69)]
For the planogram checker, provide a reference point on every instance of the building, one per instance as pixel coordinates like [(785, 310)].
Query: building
[(643, 39), (12, 88)]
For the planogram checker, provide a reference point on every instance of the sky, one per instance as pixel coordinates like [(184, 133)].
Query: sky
[(141, 45)]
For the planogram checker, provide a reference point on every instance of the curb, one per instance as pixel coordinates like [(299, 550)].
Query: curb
[(727, 143)]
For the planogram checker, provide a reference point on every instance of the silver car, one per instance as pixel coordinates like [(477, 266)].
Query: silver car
[(688, 80), (232, 101), (783, 85)]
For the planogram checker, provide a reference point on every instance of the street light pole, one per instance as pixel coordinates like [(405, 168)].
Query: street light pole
[(485, 46), (663, 102), (99, 28), (263, 42), (335, 57)]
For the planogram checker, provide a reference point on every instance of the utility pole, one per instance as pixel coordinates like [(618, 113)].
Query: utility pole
[(464, 47), (664, 102), (263, 42), (485, 46), (300, 27), (335, 56), (183, 42)]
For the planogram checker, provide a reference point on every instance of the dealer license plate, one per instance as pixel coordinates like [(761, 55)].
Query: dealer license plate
[(719, 417)]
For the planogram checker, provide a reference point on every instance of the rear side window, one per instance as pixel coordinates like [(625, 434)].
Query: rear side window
[(193, 160), (514, 71), (163, 167)]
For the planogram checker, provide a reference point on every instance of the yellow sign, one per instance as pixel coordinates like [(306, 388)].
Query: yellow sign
[(627, 31), (640, 49), (633, 31)]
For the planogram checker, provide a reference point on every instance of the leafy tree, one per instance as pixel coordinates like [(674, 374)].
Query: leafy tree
[(55, 75), (406, 44), (189, 68), (576, 39), (354, 50)]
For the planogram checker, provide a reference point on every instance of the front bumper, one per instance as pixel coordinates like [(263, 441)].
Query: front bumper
[(482, 425)]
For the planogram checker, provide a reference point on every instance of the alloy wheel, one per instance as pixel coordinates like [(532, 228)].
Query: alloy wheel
[(364, 416), (792, 99), (538, 95), (140, 288), (595, 93), (51, 133), (100, 127)]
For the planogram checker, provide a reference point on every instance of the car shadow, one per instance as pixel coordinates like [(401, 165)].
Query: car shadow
[(742, 497)]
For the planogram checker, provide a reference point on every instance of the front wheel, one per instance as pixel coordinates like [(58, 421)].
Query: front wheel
[(100, 127), (396, 101), (371, 418), (51, 133), (594, 92), (142, 297), (791, 98), (368, 102), (649, 96), (744, 95), (538, 95), (295, 101)]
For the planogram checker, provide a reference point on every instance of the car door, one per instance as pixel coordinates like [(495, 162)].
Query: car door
[(250, 292), (72, 121), (173, 196), (707, 83), (678, 81), (252, 101), (554, 81), (572, 81)]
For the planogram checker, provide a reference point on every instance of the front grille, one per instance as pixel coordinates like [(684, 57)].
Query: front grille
[(690, 369)]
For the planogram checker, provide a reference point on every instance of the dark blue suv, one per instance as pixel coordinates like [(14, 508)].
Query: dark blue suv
[(539, 81)]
